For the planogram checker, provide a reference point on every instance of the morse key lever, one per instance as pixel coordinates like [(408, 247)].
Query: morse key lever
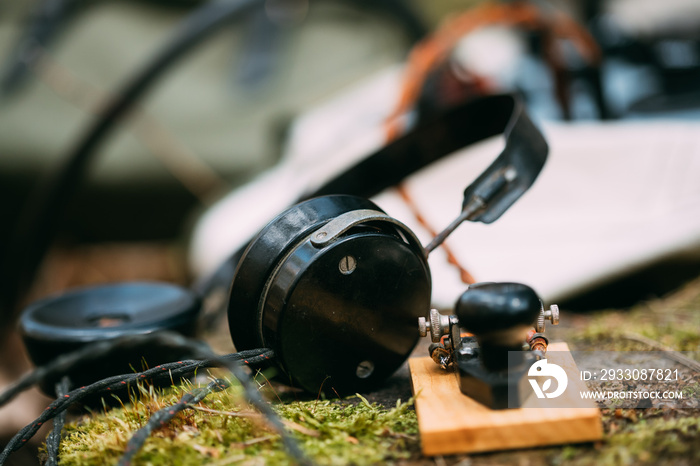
[(492, 358)]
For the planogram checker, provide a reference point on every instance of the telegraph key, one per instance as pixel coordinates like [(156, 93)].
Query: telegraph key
[(492, 359)]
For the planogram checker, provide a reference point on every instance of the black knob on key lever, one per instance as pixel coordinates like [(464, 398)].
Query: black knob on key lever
[(499, 315)]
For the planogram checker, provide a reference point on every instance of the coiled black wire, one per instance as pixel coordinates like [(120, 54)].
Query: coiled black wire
[(65, 362), (168, 339)]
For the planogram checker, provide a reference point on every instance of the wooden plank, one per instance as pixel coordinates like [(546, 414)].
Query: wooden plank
[(451, 422)]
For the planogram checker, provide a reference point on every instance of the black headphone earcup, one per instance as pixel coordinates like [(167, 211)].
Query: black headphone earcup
[(71, 321), (262, 255), (334, 286)]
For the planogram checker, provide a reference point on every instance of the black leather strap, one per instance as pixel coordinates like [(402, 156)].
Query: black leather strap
[(432, 140)]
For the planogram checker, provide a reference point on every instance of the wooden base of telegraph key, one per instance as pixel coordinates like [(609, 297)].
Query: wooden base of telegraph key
[(451, 422)]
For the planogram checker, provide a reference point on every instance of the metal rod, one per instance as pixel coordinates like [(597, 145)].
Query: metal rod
[(472, 207)]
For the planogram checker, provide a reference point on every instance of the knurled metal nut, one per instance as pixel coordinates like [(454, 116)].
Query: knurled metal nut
[(435, 331), (539, 326), (540, 323)]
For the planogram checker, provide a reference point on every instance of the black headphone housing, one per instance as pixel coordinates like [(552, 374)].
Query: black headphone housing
[(334, 286), (61, 324)]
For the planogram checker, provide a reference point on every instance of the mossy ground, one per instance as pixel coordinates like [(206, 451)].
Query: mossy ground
[(224, 430), (354, 431), (642, 436)]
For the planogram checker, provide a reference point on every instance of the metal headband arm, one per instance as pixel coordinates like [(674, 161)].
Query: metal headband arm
[(492, 193)]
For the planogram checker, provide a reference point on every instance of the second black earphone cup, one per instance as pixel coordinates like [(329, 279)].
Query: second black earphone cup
[(70, 321)]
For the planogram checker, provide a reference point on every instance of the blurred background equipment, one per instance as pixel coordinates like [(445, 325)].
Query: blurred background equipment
[(208, 125)]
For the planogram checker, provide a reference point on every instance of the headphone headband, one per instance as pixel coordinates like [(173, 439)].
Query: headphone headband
[(438, 137), (428, 142)]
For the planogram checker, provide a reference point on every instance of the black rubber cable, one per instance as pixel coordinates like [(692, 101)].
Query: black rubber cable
[(169, 339), (251, 358), (66, 362), (53, 440)]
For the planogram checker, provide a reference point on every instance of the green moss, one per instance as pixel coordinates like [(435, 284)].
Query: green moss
[(659, 440), (643, 436), (673, 322), (654, 441), (225, 430)]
